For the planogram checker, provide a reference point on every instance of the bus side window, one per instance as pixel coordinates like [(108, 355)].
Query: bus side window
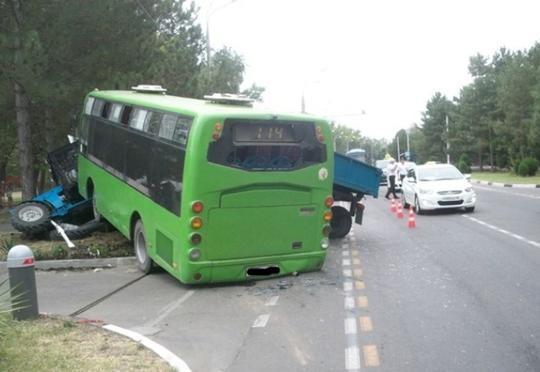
[(168, 124), (137, 118), (124, 119), (88, 106), (181, 130), (153, 123), (114, 112), (97, 109)]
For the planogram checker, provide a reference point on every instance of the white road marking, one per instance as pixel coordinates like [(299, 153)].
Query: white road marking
[(261, 321), (350, 326), (507, 192), (346, 262), (272, 301), (352, 358), (347, 286), (515, 236), (345, 245), (169, 309), (349, 302), (347, 272), (345, 253)]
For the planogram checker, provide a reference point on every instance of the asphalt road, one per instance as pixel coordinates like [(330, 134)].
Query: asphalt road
[(459, 292)]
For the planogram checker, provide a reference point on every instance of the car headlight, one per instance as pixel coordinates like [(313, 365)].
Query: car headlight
[(425, 191), (468, 189)]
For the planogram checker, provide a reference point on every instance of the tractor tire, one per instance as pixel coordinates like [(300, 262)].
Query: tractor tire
[(77, 233), (341, 222), (31, 218)]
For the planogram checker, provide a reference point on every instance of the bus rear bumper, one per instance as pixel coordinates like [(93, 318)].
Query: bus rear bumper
[(239, 270)]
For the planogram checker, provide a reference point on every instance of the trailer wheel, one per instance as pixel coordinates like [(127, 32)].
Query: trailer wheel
[(31, 218), (341, 222)]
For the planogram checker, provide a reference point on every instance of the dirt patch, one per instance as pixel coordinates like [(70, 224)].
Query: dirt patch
[(49, 344), (98, 245)]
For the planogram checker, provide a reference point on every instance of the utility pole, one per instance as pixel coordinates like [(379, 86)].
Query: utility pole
[(397, 140), (447, 142)]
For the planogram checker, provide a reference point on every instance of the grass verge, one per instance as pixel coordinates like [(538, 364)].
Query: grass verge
[(504, 177), (49, 344), (98, 245)]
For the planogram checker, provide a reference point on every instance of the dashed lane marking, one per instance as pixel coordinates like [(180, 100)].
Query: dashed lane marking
[(507, 192), (347, 286), (359, 285), (272, 301), (352, 358), (345, 253), (350, 326), (346, 262), (169, 309), (345, 246), (365, 324), (349, 302), (261, 321), (347, 273), (371, 356), (362, 301), (502, 231)]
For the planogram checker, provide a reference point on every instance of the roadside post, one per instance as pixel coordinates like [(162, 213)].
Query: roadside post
[(22, 282)]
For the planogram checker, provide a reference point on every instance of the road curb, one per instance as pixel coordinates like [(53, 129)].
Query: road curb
[(83, 263), (516, 185), (164, 353)]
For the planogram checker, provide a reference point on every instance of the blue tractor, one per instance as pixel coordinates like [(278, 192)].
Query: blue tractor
[(62, 203)]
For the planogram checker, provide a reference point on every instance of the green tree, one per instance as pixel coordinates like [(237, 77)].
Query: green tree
[(438, 109)]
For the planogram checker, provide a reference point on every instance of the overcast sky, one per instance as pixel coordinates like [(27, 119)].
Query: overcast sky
[(371, 65)]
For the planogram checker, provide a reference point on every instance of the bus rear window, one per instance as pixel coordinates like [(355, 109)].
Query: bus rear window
[(271, 145)]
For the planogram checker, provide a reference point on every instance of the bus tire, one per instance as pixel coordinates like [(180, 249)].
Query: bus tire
[(341, 222), (31, 218), (144, 262), (79, 232)]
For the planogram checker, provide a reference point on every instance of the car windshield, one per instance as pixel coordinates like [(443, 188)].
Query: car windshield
[(439, 173)]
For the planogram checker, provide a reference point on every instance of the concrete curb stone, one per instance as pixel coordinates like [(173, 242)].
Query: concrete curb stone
[(83, 263), (516, 185)]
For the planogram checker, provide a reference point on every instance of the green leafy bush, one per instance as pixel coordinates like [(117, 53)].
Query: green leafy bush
[(516, 166), (532, 165), (59, 252), (523, 169), (464, 164)]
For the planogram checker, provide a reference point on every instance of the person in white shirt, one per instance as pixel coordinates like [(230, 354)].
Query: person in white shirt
[(392, 169), (402, 169)]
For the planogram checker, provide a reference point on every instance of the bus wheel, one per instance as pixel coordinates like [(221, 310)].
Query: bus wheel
[(31, 218), (141, 250), (341, 222)]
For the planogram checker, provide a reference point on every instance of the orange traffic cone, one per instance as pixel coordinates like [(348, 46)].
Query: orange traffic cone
[(412, 220), (399, 209), (392, 205)]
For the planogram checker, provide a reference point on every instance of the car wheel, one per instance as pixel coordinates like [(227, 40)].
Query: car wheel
[(469, 209), (31, 218), (417, 208), (141, 249)]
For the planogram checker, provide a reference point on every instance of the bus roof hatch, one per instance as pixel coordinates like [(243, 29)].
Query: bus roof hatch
[(230, 99), (145, 88)]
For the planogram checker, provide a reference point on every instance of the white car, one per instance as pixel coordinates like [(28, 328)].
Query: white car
[(437, 186)]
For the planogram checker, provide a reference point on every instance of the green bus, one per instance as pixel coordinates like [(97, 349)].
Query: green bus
[(210, 190)]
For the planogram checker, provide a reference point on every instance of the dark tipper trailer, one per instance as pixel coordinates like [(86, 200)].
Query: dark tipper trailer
[(353, 180)]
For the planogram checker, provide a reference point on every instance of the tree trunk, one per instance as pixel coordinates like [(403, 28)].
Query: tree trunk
[(24, 132)]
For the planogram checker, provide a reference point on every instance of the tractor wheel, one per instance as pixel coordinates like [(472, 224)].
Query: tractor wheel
[(31, 218)]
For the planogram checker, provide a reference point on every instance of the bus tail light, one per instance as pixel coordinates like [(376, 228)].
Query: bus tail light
[(197, 207), (325, 243), (196, 238), (327, 216), (196, 223), (194, 254), (328, 202), (326, 230)]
